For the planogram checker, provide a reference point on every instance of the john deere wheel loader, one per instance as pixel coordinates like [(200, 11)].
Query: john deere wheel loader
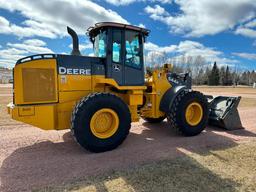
[(98, 97)]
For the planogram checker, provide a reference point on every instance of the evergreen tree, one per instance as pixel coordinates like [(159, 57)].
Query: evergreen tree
[(214, 77), (206, 76), (222, 75), (228, 78)]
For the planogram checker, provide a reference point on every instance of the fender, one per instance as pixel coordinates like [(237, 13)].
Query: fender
[(169, 96)]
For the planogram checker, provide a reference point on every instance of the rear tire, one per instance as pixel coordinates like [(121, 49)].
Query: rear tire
[(84, 126), (154, 120), (178, 117)]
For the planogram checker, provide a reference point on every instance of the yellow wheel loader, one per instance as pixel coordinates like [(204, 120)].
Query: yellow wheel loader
[(98, 97)]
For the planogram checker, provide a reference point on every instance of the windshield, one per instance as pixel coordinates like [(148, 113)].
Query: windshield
[(133, 47), (100, 44)]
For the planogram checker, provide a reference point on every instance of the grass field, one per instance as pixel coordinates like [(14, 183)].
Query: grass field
[(232, 169), (229, 169), (230, 89), (248, 94)]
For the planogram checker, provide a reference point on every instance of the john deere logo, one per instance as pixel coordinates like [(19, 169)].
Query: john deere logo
[(74, 71)]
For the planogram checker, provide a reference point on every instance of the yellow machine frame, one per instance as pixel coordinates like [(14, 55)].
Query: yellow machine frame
[(159, 84), (56, 113)]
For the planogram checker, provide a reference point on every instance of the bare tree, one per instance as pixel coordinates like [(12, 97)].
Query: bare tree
[(197, 68)]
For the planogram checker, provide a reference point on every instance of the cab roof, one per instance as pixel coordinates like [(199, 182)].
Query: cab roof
[(94, 30)]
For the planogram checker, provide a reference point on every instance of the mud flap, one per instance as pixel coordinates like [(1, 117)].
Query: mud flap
[(224, 113)]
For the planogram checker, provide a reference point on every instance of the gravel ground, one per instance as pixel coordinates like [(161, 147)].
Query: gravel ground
[(32, 158)]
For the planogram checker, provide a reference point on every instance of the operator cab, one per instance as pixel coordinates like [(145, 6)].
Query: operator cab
[(122, 46)]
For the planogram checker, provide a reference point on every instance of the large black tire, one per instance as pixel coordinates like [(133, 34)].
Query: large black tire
[(154, 120), (177, 113), (83, 113)]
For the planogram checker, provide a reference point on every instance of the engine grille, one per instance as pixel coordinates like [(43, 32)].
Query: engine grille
[(38, 85)]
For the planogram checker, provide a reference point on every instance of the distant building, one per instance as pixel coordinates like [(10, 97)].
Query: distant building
[(5, 75)]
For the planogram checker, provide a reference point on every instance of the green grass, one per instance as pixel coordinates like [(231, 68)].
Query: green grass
[(233, 169), (247, 102)]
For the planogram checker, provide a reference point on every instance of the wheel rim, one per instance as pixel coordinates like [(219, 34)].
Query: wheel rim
[(194, 114), (104, 123)]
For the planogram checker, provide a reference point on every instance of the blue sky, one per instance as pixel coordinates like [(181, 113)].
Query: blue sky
[(219, 30)]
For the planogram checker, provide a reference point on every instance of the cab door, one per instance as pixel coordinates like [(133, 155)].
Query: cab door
[(133, 59), (117, 66)]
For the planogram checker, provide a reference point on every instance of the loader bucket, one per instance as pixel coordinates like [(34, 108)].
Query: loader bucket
[(224, 113)]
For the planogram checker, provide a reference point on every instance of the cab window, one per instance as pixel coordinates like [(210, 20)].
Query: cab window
[(100, 44), (133, 45), (116, 46)]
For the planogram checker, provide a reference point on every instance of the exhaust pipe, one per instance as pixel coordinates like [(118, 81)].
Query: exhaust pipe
[(75, 50)]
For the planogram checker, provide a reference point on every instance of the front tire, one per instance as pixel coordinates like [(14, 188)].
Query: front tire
[(189, 113), (100, 122)]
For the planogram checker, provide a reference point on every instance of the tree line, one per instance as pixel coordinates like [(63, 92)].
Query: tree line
[(223, 76), (202, 72)]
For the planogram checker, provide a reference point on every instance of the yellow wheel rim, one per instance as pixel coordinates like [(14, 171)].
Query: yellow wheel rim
[(194, 114), (104, 123)]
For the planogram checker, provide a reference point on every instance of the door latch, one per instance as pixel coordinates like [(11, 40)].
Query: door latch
[(116, 68)]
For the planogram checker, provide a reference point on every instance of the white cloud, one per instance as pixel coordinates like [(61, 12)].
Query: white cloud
[(128, 2), (142, 25), (162, 1), (15, 51), (251, 24), (153, 47), (28, 31), (155, 11), (50, 18), (34, 42), (120, 2), (192, 48), (207, 17), (29, 48), (86, 46), (247, 29), (250, 56), (188, 48), (83, 47), (4, 23), (246, 32)]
